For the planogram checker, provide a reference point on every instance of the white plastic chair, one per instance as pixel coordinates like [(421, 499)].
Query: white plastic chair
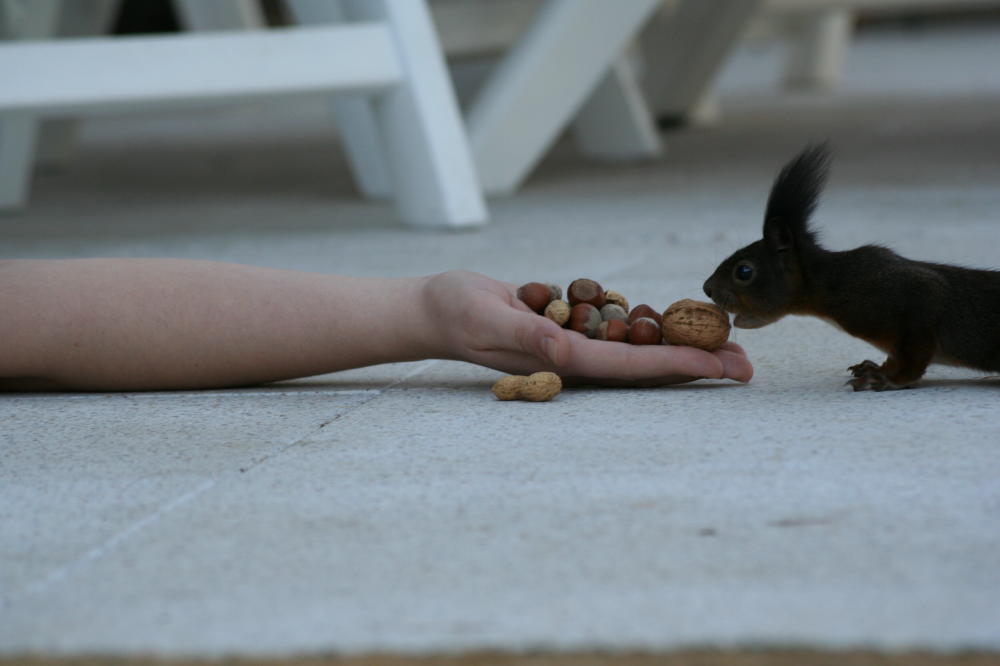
[(385, 53)]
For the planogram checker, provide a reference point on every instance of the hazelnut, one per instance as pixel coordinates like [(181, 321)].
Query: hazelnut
[(613, 330), (585, 291), (540, 386), (535, 295), (558, 311), (555, 291), (643, 310), (617, 299), (695, 324), (508, 388), (613, 311), (585, 318), (644, 331)]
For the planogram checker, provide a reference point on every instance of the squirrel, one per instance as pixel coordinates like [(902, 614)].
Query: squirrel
[(916, 312)]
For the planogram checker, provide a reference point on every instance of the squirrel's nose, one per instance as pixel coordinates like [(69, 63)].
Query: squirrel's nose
[(708, 288)]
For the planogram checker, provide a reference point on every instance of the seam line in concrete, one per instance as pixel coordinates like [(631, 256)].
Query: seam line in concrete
[(97, 552)]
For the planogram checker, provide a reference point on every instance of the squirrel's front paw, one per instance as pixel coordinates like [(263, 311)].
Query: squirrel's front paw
[(869, 375), (864, 368)]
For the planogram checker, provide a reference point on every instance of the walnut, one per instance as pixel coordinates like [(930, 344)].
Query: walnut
[(695, 324)]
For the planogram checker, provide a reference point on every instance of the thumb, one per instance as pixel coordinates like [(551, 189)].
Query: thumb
[(535, 335), (555, 345)]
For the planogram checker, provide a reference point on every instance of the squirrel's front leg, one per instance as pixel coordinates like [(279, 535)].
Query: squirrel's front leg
[(905, 365)]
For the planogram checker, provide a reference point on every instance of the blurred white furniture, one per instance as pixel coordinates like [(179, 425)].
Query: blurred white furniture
[(567, 64), (819, 32), (569, 67), (386, 51), (685, 47), (561, 63), (356, 117), (819, 40), (19, 131)]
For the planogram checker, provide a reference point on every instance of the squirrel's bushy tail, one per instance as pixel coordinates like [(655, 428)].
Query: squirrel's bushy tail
[(796, 190)]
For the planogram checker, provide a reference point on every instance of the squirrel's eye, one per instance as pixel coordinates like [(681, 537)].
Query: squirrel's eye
[(744, 272)]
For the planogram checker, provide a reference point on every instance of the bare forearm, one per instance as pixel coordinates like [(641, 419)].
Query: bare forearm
[(120, 324)]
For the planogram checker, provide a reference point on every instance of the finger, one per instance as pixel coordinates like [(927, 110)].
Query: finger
[(735, 364), (649, 382), (617, 360), (733, 347), (514, 363), (513, 329), (661, 365)]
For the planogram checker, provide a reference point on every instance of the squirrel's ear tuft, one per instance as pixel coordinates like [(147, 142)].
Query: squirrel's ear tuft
[(778, 234), (795, 194)]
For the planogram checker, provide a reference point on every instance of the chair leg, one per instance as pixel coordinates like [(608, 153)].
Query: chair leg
[(18, 135), (428, 156), (685, 49), (615, 123), (357, 125), (819, 44), (19, 132), (354, 117), (219, 14), (361, 137), (79, 18), (544, 80)]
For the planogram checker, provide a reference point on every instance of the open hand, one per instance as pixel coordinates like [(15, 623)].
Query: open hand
[(482, 321)]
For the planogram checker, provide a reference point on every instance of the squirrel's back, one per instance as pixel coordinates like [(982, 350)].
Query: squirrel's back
[(969, 329)]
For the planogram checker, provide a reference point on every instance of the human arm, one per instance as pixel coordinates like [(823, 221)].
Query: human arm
[(155, 324)]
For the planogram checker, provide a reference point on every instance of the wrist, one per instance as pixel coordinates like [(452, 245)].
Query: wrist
[(418, 319)]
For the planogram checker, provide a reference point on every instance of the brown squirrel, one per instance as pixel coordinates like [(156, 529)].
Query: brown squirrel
[(917, 312)]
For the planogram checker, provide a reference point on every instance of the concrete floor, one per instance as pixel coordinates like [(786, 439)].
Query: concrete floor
[(400, 508)]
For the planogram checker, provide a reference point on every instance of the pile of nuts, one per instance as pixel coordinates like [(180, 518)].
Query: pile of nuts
[(605, 315)]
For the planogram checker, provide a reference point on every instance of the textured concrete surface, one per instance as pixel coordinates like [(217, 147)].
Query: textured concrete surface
[(401, 508), (702, 657)]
